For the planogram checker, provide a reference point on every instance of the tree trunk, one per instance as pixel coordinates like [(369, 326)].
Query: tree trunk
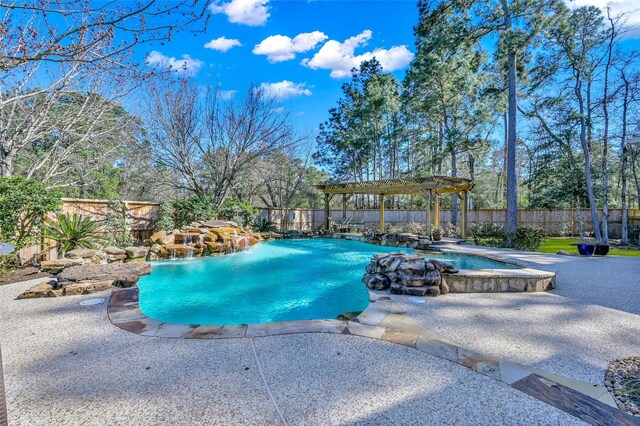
[(512, 132), (605, 141), (587, 159), (624, 238), (454, 196), (6, 164)]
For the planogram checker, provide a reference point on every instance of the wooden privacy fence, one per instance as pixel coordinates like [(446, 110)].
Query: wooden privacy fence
[(140, 216), (554, 222)]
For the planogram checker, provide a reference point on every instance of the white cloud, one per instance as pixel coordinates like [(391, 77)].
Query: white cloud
[(226, 95), (186, 65), (279, 48), (629, 7), (340, 58), (284, 89), (222, 44), (248, 12)]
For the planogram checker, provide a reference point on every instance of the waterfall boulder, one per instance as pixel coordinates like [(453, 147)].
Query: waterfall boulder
[(408, 274)]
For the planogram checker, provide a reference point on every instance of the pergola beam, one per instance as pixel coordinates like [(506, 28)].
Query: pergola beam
[(414, 186)]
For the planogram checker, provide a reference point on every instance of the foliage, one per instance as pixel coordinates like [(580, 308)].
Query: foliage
[(9, 262), (237, 211), (488, 234), (414, 227), (262, 224), (361, 139), (73, 231), (528, 238), (449, 230), (115, 224), (23, 205), (193, 209), (165, 220), (632, 388)]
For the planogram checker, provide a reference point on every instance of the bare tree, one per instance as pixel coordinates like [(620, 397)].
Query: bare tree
[(54, 51), (64, 31), (212, 143)]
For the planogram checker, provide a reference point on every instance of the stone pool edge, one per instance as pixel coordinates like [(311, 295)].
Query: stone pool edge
[(592, 404)]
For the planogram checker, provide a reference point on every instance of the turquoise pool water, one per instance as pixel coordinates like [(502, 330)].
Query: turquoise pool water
[(276, 281)]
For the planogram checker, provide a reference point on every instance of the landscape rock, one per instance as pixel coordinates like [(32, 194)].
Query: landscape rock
[(212, 237), (113, 271), (136, 252), (58, 265), (408, 274), (114, 251), (39, 290), (80, 253)]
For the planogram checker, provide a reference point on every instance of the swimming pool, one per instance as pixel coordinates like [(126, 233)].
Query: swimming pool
[(283, 280)]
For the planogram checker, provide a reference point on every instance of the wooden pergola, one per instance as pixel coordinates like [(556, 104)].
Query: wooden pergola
[(430, 187)]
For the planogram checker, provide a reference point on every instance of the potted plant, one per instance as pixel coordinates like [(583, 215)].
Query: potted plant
[(437, 234), (601, 249), (586, 246)]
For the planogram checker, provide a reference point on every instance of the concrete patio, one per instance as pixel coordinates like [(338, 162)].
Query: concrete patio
[(67, 364)]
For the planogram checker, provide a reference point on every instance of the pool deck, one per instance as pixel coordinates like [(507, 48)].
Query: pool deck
[(68, 364)]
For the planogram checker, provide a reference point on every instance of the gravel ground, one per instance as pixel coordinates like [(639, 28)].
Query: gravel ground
[(576, 330), (66, 364)]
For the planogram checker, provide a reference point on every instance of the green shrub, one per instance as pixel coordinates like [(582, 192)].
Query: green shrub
[(193, 209), (165, 220), (237, 211), (528, 238), (262, 224), (23, 205), (73, 231), (488, 234), (115, 225)]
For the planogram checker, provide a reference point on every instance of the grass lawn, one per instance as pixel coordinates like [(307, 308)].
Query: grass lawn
[(552, 245)]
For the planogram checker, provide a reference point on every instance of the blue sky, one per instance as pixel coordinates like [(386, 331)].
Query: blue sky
[(302, 51), (288, 33)]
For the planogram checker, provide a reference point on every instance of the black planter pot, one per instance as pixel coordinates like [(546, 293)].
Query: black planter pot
[(586, 249), (601, 250)]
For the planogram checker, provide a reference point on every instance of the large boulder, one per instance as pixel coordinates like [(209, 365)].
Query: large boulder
[(408, 274), (87, 255), (40, 290), (210, 237), (136, 253), (114, 251), (161, 237), (58, 265), (376, 281), (125, 272), (80, 253)]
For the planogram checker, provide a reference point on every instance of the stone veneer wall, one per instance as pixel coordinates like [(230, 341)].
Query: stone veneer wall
[(500, 281)]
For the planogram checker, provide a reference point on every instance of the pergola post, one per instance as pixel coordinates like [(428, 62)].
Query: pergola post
[(344, 206), (464, 214), (326, 211), (381, 212), (427, 222), (436, 211)]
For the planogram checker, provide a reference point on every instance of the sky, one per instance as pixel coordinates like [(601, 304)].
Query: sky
[(301, 52)]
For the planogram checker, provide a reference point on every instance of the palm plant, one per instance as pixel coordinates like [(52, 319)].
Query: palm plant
[(73, 231)]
